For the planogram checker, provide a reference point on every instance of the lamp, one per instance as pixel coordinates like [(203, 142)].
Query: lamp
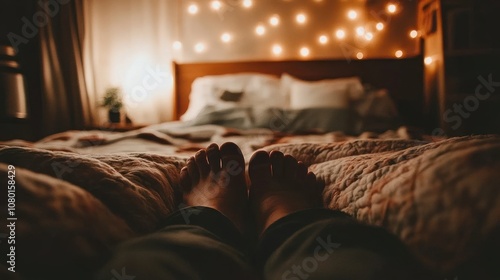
[(12, 91)]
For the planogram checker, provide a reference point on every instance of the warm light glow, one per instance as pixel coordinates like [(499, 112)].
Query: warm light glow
[(369, 36), (428, 60), (226, 37), (392, 8), (352, 14), (380, 26), (216, 5), (247, 3), (323, 39), (360, 31), (304, 52), (360, 55), (177, 45), (413, 34), (301, 18), (340, 34), (260, 30), (200, 47), (193, 9), (274, 20), (277, 49), (399, 53)]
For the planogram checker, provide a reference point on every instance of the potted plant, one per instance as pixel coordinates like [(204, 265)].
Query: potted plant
[(112, 100)]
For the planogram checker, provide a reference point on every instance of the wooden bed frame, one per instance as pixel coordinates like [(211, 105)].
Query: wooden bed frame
[(402, 77)]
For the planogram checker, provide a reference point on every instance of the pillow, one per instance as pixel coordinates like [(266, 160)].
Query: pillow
[(355, 88), (230, 96), (377, 112), (305, 95), (256, 89)]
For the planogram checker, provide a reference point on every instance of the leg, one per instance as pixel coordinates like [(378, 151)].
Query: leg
[(199, 242), (317, 243)]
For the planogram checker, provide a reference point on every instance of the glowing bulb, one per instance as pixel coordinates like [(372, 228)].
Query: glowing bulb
[(380, 26), (301, 18), (260, 30), (323, 39), (399, 53), (392, 8), (274, 20), (352, 14), (247, 3), (360, 31), (413, 34), (277, 49), (428, 60), (304, 52), (193, 9), (216, 5), (177, 45), (200, 47), (369, 36), (360, 55), (340, 34), (226, 37)]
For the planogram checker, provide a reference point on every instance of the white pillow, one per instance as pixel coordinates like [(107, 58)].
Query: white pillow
[(319, 94), (258, 90), (354, 86)]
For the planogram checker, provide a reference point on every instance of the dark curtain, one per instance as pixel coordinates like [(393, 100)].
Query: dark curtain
[(65, 99)]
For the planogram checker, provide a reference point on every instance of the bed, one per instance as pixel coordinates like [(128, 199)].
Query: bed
[(78, 194)]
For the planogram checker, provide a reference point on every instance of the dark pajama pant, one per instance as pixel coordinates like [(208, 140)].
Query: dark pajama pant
[(201, 243)]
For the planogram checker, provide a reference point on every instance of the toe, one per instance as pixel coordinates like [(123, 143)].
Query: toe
[(310, 180), (202, 163), (301, 172), (185, 180), (193, 171), (259, 168), (277, 163), (213, 155), (232, 160), (290, 168)]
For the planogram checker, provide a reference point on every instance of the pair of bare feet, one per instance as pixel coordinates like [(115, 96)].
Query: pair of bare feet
[(279, 185)]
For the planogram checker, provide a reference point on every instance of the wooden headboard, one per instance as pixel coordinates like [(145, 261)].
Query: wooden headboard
[(402, 77)]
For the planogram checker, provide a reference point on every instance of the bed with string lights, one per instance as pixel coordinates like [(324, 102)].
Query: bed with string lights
[(84, 192)]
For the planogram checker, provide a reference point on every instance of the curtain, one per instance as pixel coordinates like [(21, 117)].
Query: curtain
[(127, 45), (65, 100)]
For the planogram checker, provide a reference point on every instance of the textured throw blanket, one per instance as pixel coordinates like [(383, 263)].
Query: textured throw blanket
[(439, 198)]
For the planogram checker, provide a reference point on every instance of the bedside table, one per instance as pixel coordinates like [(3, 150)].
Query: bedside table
[(117, 127)]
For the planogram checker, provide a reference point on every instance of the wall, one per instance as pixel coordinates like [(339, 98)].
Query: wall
[(200, 33)]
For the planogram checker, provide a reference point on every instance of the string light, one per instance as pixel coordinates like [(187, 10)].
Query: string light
[(352, 14), (260, 30), (413, 34), (200, 47), (380, 26), (399, 53), (274, 20), (392, 8), (226, 37), (369, 36), (428, 60), (277, 49), (193, 9), (340, 34), (304, 51), (247, 3), (360, 55), (323, 39), (216, 5), (360, 31), (177, 45), (301, 18)]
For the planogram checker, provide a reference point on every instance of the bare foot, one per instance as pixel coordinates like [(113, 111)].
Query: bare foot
[(280, 186), (215, 178)]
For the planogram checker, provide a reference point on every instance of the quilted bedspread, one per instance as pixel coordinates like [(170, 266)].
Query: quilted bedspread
[(441, 198)]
